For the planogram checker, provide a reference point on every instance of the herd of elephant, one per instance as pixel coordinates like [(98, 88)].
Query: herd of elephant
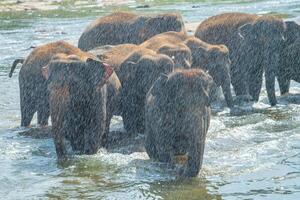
[(147, 69)]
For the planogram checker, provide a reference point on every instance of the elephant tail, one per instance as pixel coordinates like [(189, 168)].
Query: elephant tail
[(13, 67)]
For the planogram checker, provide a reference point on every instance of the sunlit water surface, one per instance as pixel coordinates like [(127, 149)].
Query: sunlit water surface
[(255, 156)]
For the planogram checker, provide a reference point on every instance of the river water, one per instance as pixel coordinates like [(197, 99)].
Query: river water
[(254, 156)]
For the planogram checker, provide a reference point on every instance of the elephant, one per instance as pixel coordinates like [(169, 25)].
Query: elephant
[(211, 58), (254, 43), (123, 27), (83, 94), (177, 117), (33, 87), (288, 67), (137, 69)]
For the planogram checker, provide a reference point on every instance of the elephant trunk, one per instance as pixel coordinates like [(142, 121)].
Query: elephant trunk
[(221, 76), (227, 91), (59, 100), (196, 146), (226, 81), (271, 67)]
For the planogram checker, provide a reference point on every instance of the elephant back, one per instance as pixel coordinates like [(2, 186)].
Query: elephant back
[(223, 28)]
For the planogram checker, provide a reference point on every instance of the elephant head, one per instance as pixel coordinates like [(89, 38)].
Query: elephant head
[(180, 54), (292, 32), (161, 23), (77, 102), (177, 118), (265, 30), (264, 36), (137, 76), (215, 60)]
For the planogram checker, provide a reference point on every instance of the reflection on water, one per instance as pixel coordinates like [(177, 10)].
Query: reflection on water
[(253, 156)]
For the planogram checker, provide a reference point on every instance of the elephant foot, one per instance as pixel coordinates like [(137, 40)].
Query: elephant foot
[(68, 149), (286, 94), (186, 172), (38, 132), (179, 159), (240, 99)]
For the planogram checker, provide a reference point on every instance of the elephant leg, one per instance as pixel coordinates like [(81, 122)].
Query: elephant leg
[(227, 93), (164, 156), (238, 79), (255, 82), (128, 120), (164, 146), (151, 147), (284, 84), (195, 157), (28, 107), (43, 112), (130, 113), (98, 120), (239, 85), (106, 132), (150, 144), (60, 147), (140, 123)]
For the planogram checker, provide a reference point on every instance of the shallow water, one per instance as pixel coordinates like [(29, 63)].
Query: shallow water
[(255, 156)]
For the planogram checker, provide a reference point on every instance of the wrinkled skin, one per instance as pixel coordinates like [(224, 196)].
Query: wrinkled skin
[(33, 87), (254, 43), (137, 69), (177, 118), (122, 27), (82, 95), (211, 58), (289, 58)]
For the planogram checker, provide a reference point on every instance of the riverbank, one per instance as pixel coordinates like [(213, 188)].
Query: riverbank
[(47, 5)]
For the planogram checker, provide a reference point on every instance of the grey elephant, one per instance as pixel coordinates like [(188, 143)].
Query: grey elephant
[(289, 66), (177, 118), (83, 94), (289, 58), (122, 27), (33, 87), (137, 69), (211, 58), (254, 43)]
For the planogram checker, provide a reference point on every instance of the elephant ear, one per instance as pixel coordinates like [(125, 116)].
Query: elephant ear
[(245, 30), (127, 71), (159, 85), (54, 70), (292, 31), (290, 25), (98, 72)]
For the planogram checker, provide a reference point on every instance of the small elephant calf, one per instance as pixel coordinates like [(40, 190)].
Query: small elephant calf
[(177, 117)]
